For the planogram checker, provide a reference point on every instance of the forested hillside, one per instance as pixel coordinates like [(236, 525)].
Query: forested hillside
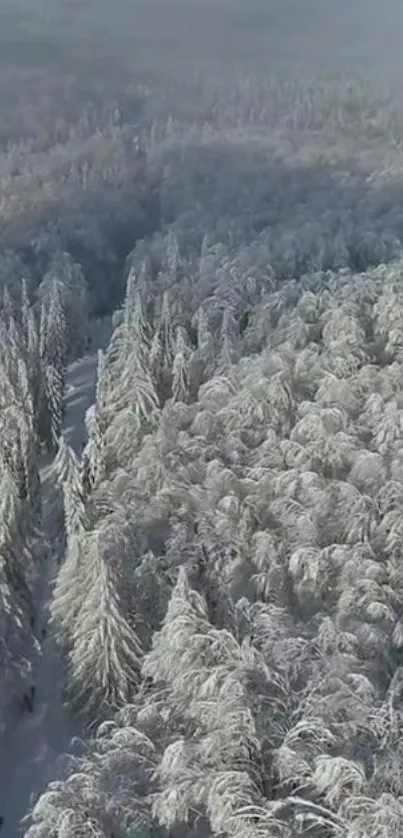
[(201, 420)]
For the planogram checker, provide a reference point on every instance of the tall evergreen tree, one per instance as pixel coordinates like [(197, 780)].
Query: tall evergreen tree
[(53, 339)]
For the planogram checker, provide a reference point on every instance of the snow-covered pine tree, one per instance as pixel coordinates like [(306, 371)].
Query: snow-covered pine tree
[(70, 479), (53, 349), (212, 769), (105, 792), (72, 292), (105, 654), (180, 367), (93, 465)]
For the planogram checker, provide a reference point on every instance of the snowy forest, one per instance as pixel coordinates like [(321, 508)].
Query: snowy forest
[(201, 419)]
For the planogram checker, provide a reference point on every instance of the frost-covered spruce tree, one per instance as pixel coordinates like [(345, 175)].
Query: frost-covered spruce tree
[(54, 392), (104, 792), (91, 609), (69, 591), (130, 337), (72, 292), (17, 419), (128, 351), (202, 360), (131, 403), (52, 330), (93, 456), (166, 331), (180, 370), (105, 655), (15, 544), (69, 588), (30, 334), (206, 672), (227, 353), (162, 351), (53, 362), (8, 307), (19, 507), (70, 479)]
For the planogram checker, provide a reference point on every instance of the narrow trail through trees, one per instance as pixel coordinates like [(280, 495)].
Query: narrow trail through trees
[(33, 743)]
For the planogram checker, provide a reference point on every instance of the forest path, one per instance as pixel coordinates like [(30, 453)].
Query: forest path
[(31, 747)]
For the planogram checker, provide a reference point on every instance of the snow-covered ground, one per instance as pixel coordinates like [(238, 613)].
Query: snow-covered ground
[(29, 749)]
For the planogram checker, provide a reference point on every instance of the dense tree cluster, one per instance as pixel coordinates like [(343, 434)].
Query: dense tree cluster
[(225, 547), (35, 339), (20, 500), (230, 604)]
